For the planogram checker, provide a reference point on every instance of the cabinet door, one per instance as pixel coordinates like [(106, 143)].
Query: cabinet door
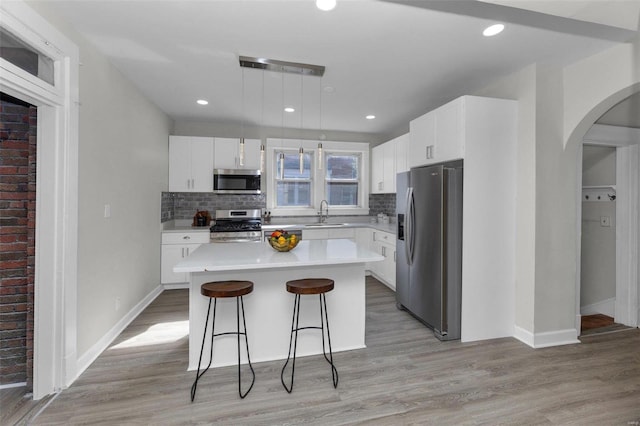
[(389, 167), (315, 234), (348, 233), (449, 131), (226, 153), (251, 154), (202, 164), (402, 143), (179, 164), (171, 254), (422, 140), (377, 169)]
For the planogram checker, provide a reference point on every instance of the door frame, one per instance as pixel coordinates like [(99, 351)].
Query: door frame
[(56, 234), (626, 142)]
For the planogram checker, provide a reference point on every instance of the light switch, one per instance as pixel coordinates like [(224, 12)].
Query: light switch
[(107, 210), (605, 221)]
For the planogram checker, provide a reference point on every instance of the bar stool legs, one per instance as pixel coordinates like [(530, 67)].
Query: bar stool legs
[(238, 333), (293, 341)]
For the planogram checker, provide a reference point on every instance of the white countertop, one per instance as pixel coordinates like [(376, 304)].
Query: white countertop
[(241, 256)]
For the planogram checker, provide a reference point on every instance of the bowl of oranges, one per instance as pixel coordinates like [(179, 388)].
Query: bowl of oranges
[(281, 240)]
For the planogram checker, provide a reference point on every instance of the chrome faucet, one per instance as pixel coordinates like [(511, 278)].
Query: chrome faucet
[(323, 218)]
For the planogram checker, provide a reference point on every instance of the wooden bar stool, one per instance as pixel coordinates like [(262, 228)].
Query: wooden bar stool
[(223, 289), (318, 286)]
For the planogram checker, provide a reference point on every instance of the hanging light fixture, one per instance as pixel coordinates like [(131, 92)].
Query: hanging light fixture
[(241, 159), (261, 125), (301, 151), (320, 126), (281, 156)]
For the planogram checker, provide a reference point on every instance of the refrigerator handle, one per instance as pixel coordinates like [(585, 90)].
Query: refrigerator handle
[(408, 225)]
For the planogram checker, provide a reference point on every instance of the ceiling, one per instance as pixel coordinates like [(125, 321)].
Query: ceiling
[(393, 59)]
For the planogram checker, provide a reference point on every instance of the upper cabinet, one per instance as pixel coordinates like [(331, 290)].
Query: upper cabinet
[(387, 159), (227, 154), (190, 164), (438, 135)]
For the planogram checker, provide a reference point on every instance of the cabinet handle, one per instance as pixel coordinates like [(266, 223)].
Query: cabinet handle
[(394, 255), (186, 237), (384, 251), (182, 252), (187, 251), (193, 183), (188, 183)]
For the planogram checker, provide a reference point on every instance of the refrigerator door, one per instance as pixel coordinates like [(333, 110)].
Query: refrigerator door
[(402, 265), (425, 275)]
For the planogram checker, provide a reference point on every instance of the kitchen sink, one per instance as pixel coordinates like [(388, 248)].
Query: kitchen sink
[(325, 224)]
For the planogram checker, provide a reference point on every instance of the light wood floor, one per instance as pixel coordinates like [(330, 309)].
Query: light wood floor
[(404, 376)]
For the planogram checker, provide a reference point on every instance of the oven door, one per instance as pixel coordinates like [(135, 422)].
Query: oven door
[(236, 237), (237, 181)]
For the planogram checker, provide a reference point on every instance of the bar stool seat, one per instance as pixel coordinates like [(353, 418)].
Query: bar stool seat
[(309, 286), (225, 289)]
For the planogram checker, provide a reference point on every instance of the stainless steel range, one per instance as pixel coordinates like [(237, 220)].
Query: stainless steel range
[(237, 226)]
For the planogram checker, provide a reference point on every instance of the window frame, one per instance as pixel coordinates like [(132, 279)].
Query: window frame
[(273, 146)]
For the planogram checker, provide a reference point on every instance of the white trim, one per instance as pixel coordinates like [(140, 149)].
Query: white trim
[(13, 385), (54, 360), (603, 135), (627, 227), (605, 307), (546, 339), (175, 286), (88, 357)]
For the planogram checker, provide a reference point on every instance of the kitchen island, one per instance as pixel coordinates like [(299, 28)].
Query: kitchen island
[(269, 307)]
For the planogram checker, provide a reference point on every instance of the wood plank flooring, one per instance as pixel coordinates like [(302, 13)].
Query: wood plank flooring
[(404, 376)]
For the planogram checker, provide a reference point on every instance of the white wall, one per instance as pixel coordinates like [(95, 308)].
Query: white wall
[(123, 161), (598, 253)]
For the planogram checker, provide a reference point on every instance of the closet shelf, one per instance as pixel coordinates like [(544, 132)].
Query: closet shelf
[(599, 193)]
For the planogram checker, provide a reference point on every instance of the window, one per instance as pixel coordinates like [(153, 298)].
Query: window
[(342, 180), (293, 189), (25, 57)]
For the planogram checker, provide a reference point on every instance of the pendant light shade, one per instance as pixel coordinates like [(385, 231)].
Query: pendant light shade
[(319, 155), (262, 157), (281, 165), (301, 159), (241, 162)]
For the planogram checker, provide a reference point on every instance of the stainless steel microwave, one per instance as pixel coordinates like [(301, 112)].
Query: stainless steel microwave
[(236, 181)]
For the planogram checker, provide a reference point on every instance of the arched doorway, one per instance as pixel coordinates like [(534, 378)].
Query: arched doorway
[(624, 143)]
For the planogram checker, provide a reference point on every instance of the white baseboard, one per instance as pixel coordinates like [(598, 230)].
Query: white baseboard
[(382, 280), (175, 286), (606, 307), (13, 385), (546, 339), (88, 357)]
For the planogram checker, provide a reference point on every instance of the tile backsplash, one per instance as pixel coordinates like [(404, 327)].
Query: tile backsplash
[(183, 205)]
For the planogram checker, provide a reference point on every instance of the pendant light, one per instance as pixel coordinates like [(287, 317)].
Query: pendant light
[(241, 159), (261, 126), (281, 156), (301, 151), (321, 135)]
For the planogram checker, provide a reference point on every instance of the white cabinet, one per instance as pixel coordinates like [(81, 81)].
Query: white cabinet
[(227, 154), (190, 164), (328, 233), (175, 247), (402, 145), (384, 243), (387, 160), (438, 135)]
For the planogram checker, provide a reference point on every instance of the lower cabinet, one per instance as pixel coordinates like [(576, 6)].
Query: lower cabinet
[(328, 233), (175, 247), (384, 243)]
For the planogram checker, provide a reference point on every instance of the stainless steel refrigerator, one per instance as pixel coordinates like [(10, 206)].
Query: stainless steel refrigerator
[(429, 246)]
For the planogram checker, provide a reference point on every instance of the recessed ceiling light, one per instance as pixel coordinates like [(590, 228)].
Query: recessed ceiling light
[(289, 109), (326, 5), (202, 102), (370, 117), (493, 30)]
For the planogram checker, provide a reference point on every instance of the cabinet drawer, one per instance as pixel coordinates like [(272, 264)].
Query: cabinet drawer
[(384, 237), (185, 237)]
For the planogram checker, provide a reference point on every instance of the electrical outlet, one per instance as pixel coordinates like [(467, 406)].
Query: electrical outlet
[(117, 304), (107, 210), (605, 221)]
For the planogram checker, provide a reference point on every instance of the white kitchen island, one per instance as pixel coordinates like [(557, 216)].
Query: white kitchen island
[(269, 307)]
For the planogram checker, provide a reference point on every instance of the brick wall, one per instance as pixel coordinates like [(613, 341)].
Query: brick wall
[(17, 239), (382, 203)]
